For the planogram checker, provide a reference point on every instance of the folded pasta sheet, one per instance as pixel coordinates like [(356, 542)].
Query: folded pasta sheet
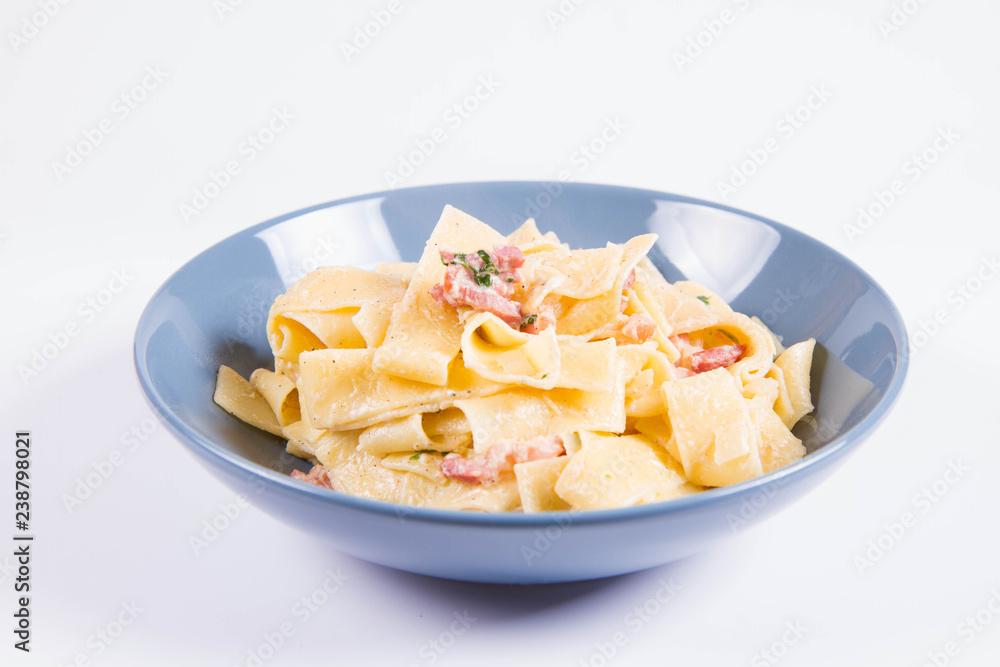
[(332, 307), (424, 335), (617, 471), (711, 423), (340, 390), (513, 373)]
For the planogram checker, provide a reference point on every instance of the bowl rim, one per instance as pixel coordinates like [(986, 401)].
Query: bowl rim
[(826, 454)]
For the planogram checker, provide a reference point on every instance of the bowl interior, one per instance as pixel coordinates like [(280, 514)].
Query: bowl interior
[(213, 310)]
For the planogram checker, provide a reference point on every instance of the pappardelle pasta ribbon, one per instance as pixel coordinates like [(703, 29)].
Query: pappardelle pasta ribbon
[(516, 374)]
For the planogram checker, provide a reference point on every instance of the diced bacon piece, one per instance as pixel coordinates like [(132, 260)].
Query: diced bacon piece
[(507, 258), (475, 470), (639, 328), (716, 357), (501, 457), (317, 477), (681, 342), (543, 320), (455, 277), (629, 280), (459, 289)]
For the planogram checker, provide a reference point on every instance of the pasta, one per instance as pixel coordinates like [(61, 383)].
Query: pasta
[(515, 374)]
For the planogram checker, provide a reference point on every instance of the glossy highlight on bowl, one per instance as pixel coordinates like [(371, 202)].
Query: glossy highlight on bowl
[(212, 312)]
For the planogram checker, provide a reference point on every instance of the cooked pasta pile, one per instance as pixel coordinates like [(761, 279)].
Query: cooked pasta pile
[(512, 373)]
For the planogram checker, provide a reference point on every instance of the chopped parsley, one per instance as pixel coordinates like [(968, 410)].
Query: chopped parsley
[(487, 261), (728, 335), (422, 451), (481, 276), (528, 320), (703, 299), (458, 260)]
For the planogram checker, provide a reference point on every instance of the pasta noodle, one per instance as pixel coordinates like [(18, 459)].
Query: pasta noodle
[(516, 374)]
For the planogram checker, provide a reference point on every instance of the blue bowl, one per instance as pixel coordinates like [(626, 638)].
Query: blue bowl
[(213, 310)]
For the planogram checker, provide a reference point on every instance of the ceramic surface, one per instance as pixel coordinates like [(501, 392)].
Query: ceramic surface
[(213, 311)]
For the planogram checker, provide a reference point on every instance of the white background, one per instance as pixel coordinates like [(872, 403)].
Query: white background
[(559, 78)]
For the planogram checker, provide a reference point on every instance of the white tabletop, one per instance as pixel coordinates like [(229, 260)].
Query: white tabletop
[(116, 117)]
